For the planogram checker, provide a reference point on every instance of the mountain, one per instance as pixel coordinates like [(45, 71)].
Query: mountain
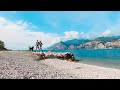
[(103, 43), (76, 42), (107, 39), (97, 43), (2, 45), (58, 46), (113, 44), (70, 44)]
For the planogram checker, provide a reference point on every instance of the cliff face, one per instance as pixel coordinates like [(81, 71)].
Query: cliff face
[(72, 47), (113, 44), (101, 45), (94, 45), (98, 43), (2, 45)]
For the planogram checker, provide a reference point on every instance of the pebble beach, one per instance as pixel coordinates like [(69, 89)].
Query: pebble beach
[(23, 65)]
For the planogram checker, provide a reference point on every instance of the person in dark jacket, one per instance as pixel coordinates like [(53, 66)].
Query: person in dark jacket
[(40, 43)]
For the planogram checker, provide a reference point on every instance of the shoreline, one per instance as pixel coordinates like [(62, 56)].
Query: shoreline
[(101, 64), (21, 65), (108, 59), (84, 71), (94, 63)]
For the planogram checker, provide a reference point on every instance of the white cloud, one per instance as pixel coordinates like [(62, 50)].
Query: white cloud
[(106, 33), (77, 35), (19, 35), (71, 35), (84, 35)]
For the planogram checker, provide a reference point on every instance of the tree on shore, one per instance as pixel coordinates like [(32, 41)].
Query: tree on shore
[(2, 45)]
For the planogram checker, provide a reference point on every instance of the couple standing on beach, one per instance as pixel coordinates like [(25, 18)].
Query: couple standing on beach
[(39, 45)]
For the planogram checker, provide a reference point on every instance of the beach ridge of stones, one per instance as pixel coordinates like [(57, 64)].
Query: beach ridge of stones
[(18, 65)]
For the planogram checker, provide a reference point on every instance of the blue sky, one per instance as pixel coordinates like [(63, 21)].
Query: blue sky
[(55, 26)]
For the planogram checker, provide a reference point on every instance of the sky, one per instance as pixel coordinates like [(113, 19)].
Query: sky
[(20, 29)]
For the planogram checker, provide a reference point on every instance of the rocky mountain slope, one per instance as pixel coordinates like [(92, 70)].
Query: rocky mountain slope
[(97, 43)]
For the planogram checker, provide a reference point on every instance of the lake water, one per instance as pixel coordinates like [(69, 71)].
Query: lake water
[(101, 57)]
